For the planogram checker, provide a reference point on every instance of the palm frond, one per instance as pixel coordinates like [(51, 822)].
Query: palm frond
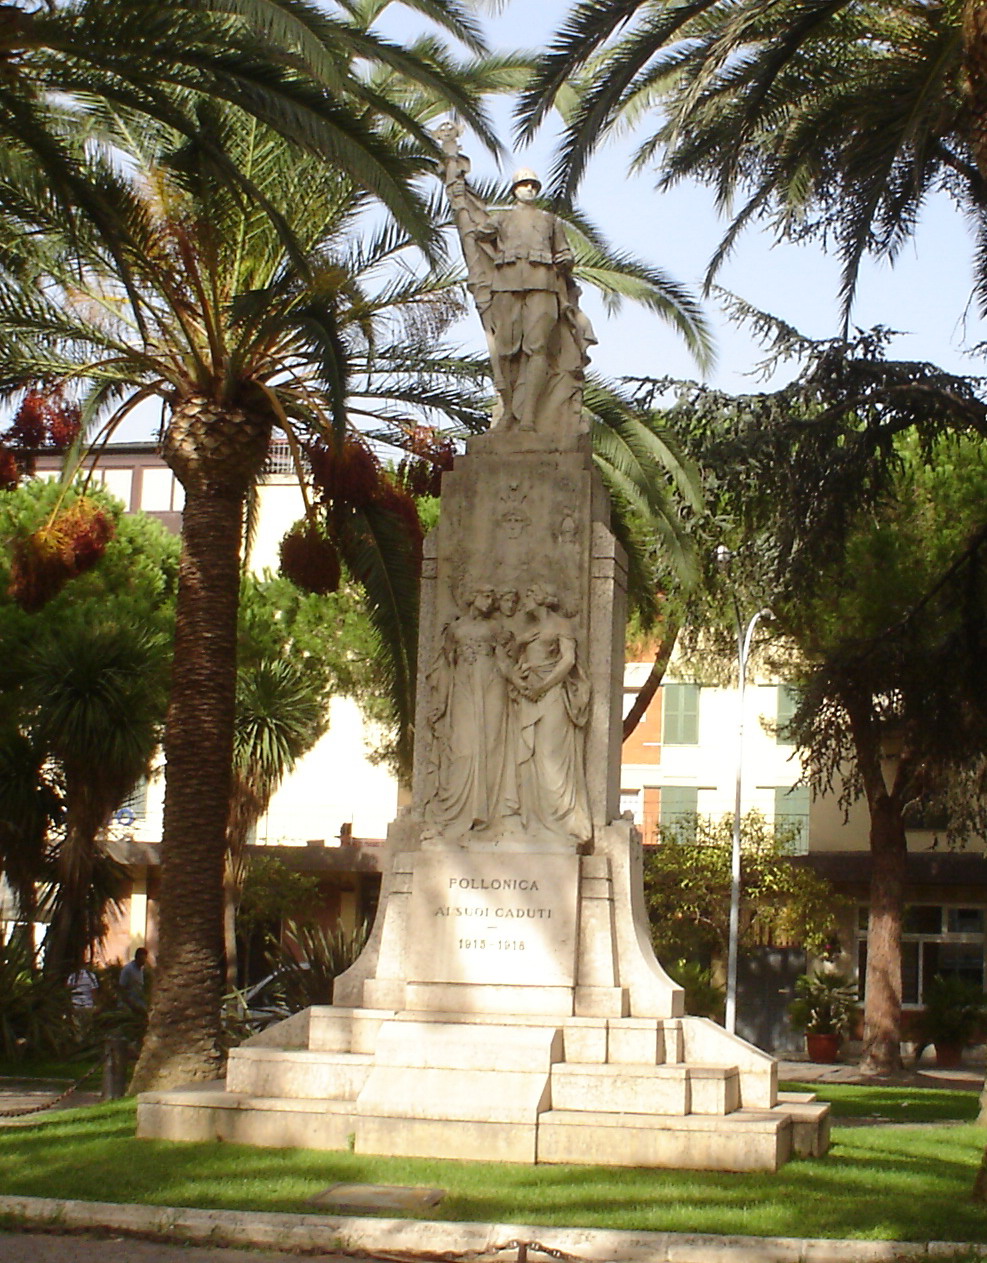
[(381, 554)]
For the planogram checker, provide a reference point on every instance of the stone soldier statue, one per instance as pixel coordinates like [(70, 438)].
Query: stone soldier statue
[(519, 264)]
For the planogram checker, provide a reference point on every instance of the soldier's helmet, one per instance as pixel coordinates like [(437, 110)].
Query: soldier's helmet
[(524, 175)]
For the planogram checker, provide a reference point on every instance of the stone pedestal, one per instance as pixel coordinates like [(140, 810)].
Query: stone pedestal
[(508, 1005)]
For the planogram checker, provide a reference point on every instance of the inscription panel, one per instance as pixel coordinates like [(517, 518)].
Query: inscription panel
[(494, 919)]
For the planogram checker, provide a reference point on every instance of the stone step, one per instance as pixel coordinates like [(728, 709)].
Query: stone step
[(714, 1090), (299, 1074), (332, 1029), (468, 1046), (810, 1123), (633, 1088), (625, 1041), (664, 1089), (434, 1093), (746, 1140), (207, 1112)]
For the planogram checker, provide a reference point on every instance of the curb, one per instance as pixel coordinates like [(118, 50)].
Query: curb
[(431, 1238)]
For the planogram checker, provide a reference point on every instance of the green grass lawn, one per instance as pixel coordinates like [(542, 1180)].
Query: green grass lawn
[(905, 1183), (894, 1105), (53, 1068)]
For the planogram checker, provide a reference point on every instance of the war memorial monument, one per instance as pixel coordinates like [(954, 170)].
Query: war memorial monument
[(508, 1005)]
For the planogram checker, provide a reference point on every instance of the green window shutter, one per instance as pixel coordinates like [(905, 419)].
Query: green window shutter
[(787, 703), (792, 811), (680, 714), (678, 805)]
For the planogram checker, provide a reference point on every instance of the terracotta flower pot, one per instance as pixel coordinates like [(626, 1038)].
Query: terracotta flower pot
[(949, 1056), (822, 1047)]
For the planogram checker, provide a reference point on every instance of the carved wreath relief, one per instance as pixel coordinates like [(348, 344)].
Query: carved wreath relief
[(507, 707)]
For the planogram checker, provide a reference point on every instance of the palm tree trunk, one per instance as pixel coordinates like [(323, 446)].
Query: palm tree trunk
[(650, 686), (975, 69), (68, 937), (216, 455), (230, 894), (183, 1041), (75, 921)]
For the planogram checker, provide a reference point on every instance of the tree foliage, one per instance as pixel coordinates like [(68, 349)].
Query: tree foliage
[(851, 504), (292, 66), (82, 700), (273, 893), (687, 890)]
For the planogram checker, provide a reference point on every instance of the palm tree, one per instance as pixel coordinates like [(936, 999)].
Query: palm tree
[(288, 63), (237, 344), (93, 699), (280, 714), (836, 118), (234, 338)]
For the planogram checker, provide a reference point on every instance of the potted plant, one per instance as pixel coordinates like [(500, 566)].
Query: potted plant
[(822, 1008), (954, 1011)]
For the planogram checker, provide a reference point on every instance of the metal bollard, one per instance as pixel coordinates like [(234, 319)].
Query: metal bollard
[(114, 1068)]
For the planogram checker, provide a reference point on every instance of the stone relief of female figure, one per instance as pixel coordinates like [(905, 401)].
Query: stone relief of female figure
[(467, 713), (552, 713)]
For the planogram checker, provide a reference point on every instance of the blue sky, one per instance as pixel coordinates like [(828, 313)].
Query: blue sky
[(925, 295)]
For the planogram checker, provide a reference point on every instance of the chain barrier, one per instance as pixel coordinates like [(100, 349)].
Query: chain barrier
[(24, 1111), (524, 1248)]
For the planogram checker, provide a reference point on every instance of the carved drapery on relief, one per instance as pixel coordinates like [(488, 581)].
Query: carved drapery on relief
[(467, 714), (507, 708), (552, 711)]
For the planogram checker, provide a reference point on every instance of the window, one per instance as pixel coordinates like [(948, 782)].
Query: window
[(788, 701), (677, 806), (134, 806), (630, 800), (680, 714), (118, 482), (792, 813), (161, 492), (935, 940)]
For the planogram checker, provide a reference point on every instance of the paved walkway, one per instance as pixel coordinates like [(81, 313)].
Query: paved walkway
[(47, 1247), (926, 1075), (23, 1101)]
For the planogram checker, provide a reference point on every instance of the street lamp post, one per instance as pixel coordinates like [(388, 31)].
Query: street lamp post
[(745, 635)]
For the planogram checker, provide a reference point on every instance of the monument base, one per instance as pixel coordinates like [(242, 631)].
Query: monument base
[(550, 1035), (479, 1089)]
